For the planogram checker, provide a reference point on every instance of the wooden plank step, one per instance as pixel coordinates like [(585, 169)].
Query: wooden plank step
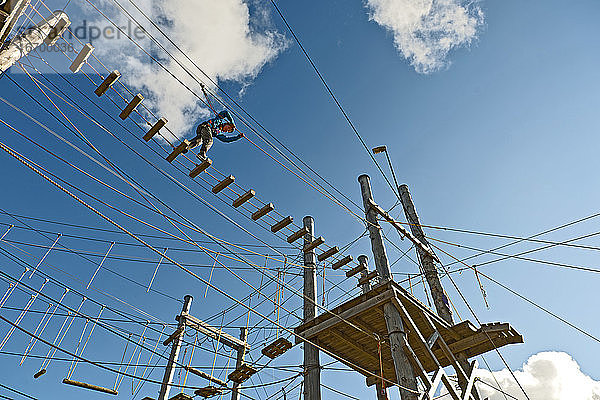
[(200, 168), (277, 348), (137, 99), (315, 243), (81, 58), (367, 278), (208, 391), (223, 184), (181, 396), (282, 224), (59, 28), (155, 128), (244, 198), (107, 83), (90, 387), (263, 211), (340, 263), (297, 235), (178, 150), (359, 268), (328, 253), (242, 373)]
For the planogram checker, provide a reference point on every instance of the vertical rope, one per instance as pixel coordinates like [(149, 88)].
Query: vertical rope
[(211, 273), (22, 314), (86, 340)]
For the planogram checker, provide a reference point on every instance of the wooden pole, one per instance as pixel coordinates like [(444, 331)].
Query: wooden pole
[(312, 367), (442, 305), (165, 388), (431, 275), (33, 37), (241, 352), (393, 321), (382, 393)]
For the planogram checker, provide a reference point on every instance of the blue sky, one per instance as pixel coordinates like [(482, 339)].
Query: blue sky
[(501, 139)]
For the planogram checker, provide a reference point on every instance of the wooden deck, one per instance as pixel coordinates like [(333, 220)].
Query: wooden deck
[(360, 347)]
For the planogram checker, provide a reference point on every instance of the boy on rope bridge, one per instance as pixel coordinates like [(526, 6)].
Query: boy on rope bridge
[(213, 127)]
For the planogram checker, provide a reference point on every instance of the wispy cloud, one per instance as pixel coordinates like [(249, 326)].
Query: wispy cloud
[(425, 31), (545, 376), (229, 39)]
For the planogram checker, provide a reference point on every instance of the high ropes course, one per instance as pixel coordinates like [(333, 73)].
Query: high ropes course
[(89, 302)]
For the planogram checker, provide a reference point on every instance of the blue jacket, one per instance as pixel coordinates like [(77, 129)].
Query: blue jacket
[(215, 124)]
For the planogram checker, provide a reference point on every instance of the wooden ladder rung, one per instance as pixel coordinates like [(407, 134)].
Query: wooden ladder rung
[(137, 99), (314, 244), (282, 224), (367, 278), (244, 198), (91, 387), (200, 168), (223, 184), (177, 150), (328, 253), (263, 211), (297, 235), (81, 58), (59, 28), (340, 263), (155, 128), (208, 391), (355, 270), (107, 83)]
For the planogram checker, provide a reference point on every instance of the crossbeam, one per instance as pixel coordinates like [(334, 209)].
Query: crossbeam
[(214, 333), (401, 229)]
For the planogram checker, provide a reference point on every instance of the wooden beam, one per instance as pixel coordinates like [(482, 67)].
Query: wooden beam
[(314, 244), (155, 128), (223, 184), (200, 168), (344, 316), (173, 336), (137, 99), (328, 253), (84, 54), (178, 150), (359, 268), (244, 198), (282, 224), (367, 277), (263, 211), (340, 263), (214, 333), (297, 235), (341, 337), (90, 387), (107, 83)]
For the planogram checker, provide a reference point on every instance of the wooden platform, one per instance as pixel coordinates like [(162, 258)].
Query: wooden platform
[(366, 312)]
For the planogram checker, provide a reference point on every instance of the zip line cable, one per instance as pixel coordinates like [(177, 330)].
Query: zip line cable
[(322, 79)]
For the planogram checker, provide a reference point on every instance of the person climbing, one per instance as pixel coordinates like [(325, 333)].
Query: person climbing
[(213, 127)]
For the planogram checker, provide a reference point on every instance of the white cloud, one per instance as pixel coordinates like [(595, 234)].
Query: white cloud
[(426, 30), (545, 376), (220, 36)]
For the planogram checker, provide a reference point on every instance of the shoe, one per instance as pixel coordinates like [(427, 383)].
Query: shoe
[(201, 157)]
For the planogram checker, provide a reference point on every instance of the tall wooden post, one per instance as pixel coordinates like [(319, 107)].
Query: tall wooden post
[(312, 367), (44, 32), (393, 321), (165, 388), (431, 275), (241, 352), (365, 287), (442, 305)]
